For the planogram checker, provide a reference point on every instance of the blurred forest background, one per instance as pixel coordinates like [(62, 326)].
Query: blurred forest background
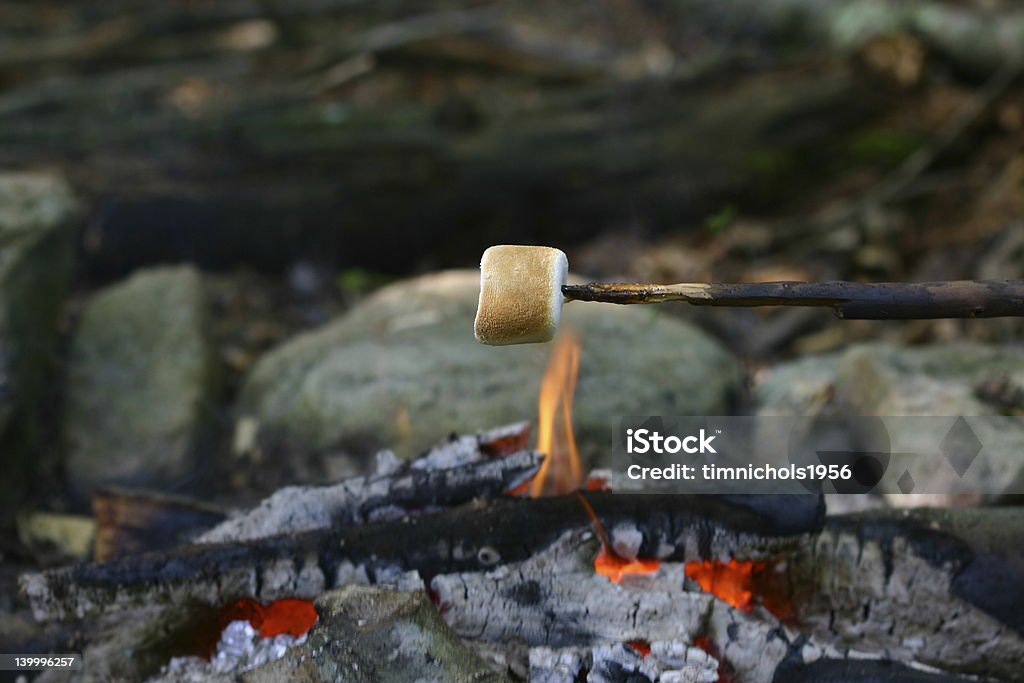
[(292, 156), (651, 139)]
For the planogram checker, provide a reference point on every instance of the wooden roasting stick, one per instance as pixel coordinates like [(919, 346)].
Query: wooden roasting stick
[(523, 289), (850, 300)]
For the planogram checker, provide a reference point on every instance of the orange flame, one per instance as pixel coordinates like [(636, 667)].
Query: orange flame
[(561, 471), (746, 583), (731, 582), (614, 567), (608, 563)]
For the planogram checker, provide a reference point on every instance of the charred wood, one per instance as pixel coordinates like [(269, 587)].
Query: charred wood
[(942, 587), (846, 671), (453, 473), (555, 600), (468, 538)]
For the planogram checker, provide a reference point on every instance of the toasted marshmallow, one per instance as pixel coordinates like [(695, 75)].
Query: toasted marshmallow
[(520, 294)]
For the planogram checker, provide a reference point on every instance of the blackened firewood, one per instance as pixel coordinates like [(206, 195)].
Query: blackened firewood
[(942, 587), (846, 671), (556, 600), (353, 501), (472, 537)]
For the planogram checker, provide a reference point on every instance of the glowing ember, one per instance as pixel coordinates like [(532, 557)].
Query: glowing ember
[(288, 616), (608, 563), (731, 582), (561, 471), (519, 489), (641, 647), (613, 567), (745, 583)]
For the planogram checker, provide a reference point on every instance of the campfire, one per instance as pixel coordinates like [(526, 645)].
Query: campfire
[(499, 561), (560, 472)]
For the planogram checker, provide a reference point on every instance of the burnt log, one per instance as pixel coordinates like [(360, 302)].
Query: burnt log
[(846, 671), (450, 474), (942, 587), (556, 601), (471, 537)]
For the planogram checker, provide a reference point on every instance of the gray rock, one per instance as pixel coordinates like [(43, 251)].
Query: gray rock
[(887, 380), (36, 256), (799, 387), (378, 635), (142, 378), (884, 379), (941, 381), (402, 369)]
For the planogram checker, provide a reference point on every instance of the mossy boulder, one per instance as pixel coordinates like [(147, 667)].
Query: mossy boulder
[(36, 258), (379, 635), (141, 385), (402, 369)]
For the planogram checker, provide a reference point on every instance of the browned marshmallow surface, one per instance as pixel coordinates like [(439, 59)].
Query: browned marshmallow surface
[(520, 294)]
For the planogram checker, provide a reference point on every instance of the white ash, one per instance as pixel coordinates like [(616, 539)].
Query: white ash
[(555, 600), (626, 540), (351, 573), (463, 450), (557, 665), (507, 658), (903, 593), (387, 513), (667, 662), (240, 648), (676, 654), (682, 664), (387, 462), (398, 579), (303, 508)]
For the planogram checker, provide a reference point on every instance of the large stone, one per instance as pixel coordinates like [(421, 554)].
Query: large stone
[(941, 381), (402, 369), (368, 634), (799, 387), (142, 377), (36, 256), (884, 379)]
